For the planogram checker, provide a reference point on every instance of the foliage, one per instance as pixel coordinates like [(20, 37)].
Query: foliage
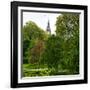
[(33, 37), (67, 28), (52, 54)]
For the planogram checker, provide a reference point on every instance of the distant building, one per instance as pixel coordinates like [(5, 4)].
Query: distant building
[(48, 28)]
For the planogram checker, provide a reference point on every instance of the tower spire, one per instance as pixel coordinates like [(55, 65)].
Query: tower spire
[(48, 27)]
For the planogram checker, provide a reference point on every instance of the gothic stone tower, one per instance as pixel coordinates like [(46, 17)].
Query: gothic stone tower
[(48, 28)]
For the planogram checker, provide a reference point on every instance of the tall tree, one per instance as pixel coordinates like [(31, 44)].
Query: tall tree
[(52, 53), (67, 28), (32, 35)]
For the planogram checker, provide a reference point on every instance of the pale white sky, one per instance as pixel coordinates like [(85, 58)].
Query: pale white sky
[(41, 19)]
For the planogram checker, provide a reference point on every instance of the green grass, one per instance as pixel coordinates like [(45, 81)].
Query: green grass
[(33, 70), (30, 70)]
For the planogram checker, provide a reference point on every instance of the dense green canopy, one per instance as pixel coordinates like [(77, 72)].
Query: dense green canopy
[(67, 28), (55, 54)]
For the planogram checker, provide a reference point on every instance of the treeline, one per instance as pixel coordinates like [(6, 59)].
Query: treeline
[(59, 53)]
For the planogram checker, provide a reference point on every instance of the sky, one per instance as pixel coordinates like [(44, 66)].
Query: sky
[(41, 19)]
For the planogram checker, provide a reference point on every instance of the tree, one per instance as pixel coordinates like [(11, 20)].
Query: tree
[(67, 28), (67, 25), (52, 53), (32, 35)]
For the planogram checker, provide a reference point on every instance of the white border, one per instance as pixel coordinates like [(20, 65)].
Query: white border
[(52, 78)]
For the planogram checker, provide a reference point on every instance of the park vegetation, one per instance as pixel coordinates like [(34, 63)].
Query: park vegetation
[(46, 54)]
